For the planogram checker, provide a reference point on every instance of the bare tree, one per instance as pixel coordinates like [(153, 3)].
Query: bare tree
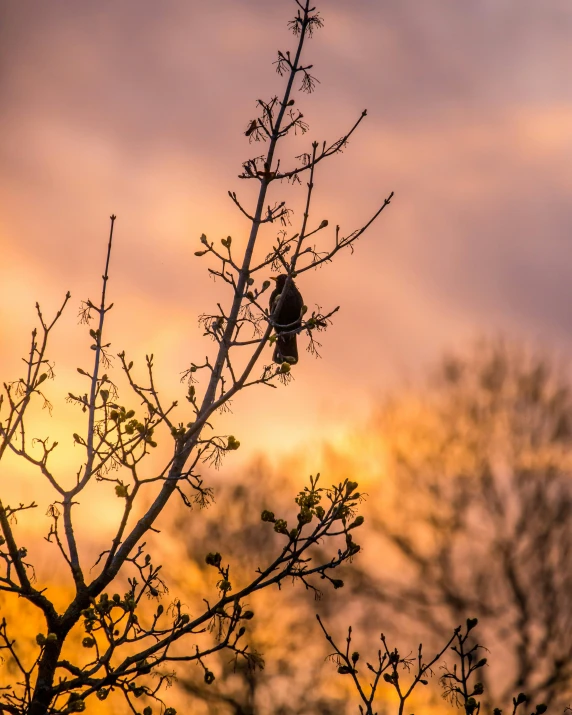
[(400, 675), (478, 513), (125, 646)]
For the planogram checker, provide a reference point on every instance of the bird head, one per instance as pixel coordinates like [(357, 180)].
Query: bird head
[(280, 280)]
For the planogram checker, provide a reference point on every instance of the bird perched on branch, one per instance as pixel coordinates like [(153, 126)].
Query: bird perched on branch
[(287, 319)]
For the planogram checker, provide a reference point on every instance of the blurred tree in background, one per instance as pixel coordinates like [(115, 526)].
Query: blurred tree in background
[(475, 518), (470, 520)]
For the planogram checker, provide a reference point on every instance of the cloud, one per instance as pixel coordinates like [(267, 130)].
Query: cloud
[(139, 109)]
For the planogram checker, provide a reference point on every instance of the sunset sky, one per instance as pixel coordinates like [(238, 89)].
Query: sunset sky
[(139, 108)]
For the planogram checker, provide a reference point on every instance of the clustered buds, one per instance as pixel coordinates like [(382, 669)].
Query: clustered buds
[(213, 559), (345, 670), (75, 703), (233, 443), (281, 526), (132, 425), (121, 491), (178, 432), (224, 585)]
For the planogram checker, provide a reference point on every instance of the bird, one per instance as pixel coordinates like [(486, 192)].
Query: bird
[(288, 318)]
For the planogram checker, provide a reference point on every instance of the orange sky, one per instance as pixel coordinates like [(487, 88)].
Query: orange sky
[(139, 108)]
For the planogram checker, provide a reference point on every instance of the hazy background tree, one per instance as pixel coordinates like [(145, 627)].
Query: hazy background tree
[(471, 519), (475, 516)]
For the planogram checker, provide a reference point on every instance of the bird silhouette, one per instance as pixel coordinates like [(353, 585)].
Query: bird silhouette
[(287, 319)]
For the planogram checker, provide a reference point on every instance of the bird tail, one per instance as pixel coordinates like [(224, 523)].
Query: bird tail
[(286, 349)]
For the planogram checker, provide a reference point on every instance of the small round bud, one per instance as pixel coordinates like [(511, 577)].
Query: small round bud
[(358, 521)]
